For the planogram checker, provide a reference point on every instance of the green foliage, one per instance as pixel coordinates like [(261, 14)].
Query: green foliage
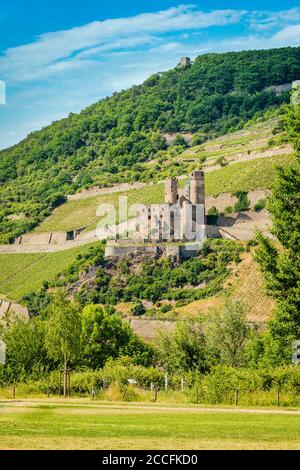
[(137, 309), (228, 334), (186, 348), (106, 336), (179, 140), (200, 343), (228, 210), (161, 279), (243, 203), (26, 353), (281, 265), (63, 334), (213, 211), (107, 141), (260, 205), (222, 161), (63, 328)]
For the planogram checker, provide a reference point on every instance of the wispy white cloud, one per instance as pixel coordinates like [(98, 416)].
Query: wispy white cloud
[(25, 62), (288, 36), (65, 71), (267, 20)]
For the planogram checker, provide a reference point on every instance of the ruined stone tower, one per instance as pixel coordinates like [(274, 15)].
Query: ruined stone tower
[(184, 62), (197, 187), (171, 191), (159, 227)]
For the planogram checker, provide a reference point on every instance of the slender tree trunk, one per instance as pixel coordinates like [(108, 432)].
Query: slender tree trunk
[(65, 376)]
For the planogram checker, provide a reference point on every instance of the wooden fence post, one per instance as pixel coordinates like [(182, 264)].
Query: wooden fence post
[(14, 392), (69, 384), (236, 396), (59, 384), (278, 397)]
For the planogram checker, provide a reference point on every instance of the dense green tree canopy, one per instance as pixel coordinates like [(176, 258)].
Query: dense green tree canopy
[(281, 264)]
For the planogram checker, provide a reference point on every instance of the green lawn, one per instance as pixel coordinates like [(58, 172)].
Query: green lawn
[(21, 273), (57, 426)]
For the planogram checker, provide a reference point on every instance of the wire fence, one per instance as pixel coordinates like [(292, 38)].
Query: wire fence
[(195, 394)]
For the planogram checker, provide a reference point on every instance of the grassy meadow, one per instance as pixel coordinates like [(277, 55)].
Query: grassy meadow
[(75, 425)]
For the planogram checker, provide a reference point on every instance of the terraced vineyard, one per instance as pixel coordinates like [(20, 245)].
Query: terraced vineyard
[(22, 273), (255, 138), (246, 176), (241, 176), (82, 212), (245, 285)]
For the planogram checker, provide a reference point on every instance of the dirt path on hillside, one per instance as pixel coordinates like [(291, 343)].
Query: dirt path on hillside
[(253, 156), (96, 191)]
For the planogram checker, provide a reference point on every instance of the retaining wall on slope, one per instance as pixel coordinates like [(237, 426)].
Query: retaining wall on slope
[(226, 199), (7, 306), (147, 328)]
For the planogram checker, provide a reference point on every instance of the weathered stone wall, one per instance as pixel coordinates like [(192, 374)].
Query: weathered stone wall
[(197, 187), (171, 191), (226, 199), (7, 306), (147, 328)]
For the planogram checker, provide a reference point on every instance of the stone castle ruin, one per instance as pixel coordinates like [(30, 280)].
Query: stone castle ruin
[(184, 62), (174, 228), (180, 218)]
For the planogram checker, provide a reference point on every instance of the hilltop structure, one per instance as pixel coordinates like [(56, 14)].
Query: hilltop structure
[(184, 62), (175, 228)]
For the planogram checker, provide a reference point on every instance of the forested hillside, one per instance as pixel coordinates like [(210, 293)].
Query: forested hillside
[(108, 141)]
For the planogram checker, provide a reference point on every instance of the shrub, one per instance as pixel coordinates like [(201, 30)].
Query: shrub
[(243, 203), (261, 204), (166, 308), (213, 211), (222, 161), (137, 309), (228, 210)]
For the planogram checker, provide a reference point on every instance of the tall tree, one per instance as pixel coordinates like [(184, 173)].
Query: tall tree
[(228, 333), (105, 335), (63, 331), (280, 260), (25, 351), (185, 348)]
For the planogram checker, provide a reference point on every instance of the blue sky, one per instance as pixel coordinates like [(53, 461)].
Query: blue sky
[(57, 57)]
